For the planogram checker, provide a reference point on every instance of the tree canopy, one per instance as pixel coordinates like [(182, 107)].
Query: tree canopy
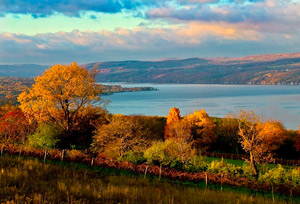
[(63, 95)]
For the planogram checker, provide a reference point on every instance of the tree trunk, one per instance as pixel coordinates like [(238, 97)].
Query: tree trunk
[(253, 165)]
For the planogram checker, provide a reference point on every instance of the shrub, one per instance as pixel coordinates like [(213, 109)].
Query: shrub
[(170, 153), (221, 167), (196, 164), (134, 157), (274, 176), (159, 154), (46, 136)]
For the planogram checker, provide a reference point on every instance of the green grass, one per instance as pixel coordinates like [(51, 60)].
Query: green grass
[(240, 162), (229, 161), (27, 180)]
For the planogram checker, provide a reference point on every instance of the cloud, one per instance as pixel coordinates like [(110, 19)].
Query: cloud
[(44, 8), (232, 11), (187, 40)]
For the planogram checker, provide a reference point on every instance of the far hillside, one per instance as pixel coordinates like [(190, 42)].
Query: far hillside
[(273, 69)]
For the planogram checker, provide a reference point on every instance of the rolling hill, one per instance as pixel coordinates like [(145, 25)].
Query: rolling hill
[(260, 69)]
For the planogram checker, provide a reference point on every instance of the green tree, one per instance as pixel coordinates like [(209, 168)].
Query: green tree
[(45, 136)]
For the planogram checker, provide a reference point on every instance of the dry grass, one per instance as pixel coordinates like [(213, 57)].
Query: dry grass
[(30, 181)]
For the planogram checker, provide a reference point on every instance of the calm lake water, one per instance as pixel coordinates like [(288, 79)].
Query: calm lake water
[(278, 102)]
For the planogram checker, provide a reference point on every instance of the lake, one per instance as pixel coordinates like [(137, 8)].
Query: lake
[(278, 102)]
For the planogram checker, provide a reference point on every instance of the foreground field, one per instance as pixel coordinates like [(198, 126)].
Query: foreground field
[(30, 181)]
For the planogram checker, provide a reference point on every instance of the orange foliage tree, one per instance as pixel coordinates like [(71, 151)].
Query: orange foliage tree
[(63, 95), (203, 129), (259, 139), (14, 127), (174, 116)]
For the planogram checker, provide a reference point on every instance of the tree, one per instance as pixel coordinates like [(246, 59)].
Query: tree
[(61, 96), (297, 140), (14, 127), (46, 136), (181, 136), (174, 116), (259, 139), (228, 134), (203, 129), (122, 135)]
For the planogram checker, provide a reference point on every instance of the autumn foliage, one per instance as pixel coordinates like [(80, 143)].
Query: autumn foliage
[(259, 139), (14, 127), (65, 95), (203, 129), (174, 116)]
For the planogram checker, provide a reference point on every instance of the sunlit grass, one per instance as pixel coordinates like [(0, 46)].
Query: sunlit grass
[(26, 180)]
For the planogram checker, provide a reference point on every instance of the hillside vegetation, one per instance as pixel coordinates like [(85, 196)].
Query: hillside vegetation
[(260, 69), (263, 69)]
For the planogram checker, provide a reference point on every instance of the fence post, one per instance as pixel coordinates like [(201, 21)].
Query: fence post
[(62, 155), (92, 162), (146, 172), (45, 156), (273, 194), (2, 150), (159, 172), (20, 152)]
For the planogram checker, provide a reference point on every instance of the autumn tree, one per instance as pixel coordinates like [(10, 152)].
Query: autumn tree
[(259, 139), (203, 129), (174, 116), (180, 133), (61, 96), (14, 127), (122, 135)]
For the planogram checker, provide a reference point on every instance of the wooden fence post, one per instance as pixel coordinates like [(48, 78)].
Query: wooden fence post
[(2, 150), (92, 162), (45, 156), (273, 198), (62, 155), (146, 172), (159, 172)]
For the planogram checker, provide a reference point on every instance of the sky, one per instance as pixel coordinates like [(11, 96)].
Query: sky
[(58, 31)]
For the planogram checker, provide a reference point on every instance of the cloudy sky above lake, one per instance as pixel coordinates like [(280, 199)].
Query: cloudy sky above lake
[(57, 31)]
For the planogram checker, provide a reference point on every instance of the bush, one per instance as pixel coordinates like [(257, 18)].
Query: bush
[(46, 136), (170, 153), (134, 157), (159, 154), (196, 164), (221, 167)]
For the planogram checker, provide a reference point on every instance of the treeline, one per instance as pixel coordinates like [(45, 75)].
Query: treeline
[(11, 87), (109, 89)]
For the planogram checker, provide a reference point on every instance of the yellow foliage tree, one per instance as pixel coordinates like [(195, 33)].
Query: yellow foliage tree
[(62, 95), (259, 139), (181, 136), (203, 129)]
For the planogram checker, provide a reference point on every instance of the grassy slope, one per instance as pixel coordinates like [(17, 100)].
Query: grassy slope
[(28, 180)]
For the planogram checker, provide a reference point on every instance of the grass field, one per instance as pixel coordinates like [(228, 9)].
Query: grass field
[(240, 162), (27, 180)]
